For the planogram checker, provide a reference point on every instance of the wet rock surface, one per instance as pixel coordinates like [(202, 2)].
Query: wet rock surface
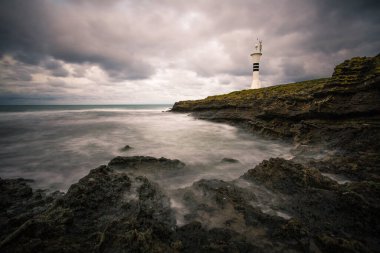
[(19, 203), (346, 213), (106, 211)]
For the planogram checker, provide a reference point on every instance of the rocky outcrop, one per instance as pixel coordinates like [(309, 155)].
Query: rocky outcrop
[(19, 203), (145, 163), (338, 217), (288, 177), (229, 160), (339, 114), (106, 211), (126, 148), (352, 91)]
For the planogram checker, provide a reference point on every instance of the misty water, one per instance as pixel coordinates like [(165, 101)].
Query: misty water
[(57, 145)]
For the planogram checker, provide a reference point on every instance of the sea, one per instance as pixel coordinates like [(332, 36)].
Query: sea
[(56, 145)]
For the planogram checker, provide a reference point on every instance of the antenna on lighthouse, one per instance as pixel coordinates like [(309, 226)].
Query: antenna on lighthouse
[(256, 55)]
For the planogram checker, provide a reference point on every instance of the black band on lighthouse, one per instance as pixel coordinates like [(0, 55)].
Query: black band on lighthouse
[(255, 67)]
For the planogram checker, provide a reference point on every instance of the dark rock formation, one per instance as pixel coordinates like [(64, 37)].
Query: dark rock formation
[(19, 204), (279, 206), (106, 211), (146, 163), (229, 160), (288, 177), (126, 148), (342, 218)]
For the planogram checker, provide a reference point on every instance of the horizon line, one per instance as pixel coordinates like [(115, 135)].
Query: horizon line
[(83, 104)]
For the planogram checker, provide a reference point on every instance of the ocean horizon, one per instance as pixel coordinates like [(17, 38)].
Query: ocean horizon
[(52, 107)]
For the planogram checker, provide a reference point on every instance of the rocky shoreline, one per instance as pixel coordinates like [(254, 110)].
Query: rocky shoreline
[(278, 206), (336, 118)]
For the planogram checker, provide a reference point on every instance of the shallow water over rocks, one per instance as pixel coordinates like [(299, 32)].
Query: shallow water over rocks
[(58, 147)]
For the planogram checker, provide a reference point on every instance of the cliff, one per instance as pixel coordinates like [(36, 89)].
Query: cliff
[(340, 114), (352, 92)]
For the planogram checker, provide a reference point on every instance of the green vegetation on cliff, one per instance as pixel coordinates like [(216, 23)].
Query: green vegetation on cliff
[(244, 97)]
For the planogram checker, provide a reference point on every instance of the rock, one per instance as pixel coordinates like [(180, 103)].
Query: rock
[(195, 238), (19, 203), (126, 148), (229, 160), (347, 212), (282, 207), (146, 163), (332, 244), (105, 211), (287, 176)]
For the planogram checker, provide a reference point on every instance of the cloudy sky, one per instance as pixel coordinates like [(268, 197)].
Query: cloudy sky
[(145, 51)]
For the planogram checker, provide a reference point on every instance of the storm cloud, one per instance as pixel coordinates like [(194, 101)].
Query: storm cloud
[(86, 51)]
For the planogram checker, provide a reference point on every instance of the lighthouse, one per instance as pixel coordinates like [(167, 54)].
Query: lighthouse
[(256, 65)]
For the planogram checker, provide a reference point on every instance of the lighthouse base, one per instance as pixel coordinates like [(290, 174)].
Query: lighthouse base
[(256, 84)]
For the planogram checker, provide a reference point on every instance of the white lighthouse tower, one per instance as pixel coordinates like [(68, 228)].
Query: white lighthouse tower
[(256, 65)]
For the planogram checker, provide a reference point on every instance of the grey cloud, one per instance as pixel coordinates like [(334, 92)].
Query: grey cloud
[(22, 74), (293, 69), (65, 32), (20, 99), (61, 72), (55, 67), (14, 71), (23, 25)]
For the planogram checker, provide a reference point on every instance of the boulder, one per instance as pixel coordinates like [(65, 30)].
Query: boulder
[(287, 176), (126, 148), (229, 160)]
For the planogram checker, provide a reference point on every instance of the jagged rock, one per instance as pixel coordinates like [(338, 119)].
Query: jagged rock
[(105, 211), (19, 203), (117, 210), (323, 206), (287, 176)]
